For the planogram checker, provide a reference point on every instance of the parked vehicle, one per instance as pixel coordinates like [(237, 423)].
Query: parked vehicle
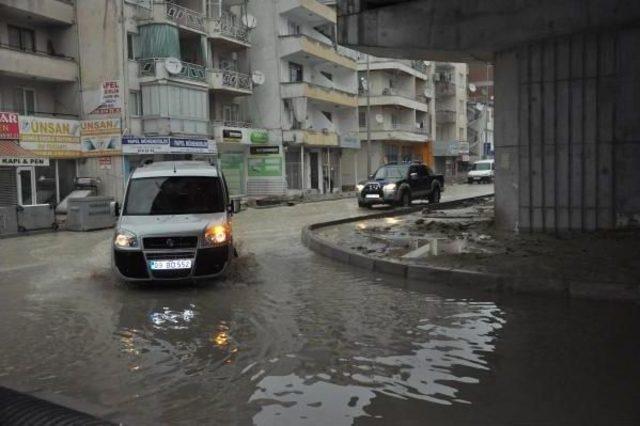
[(175, 223), (482, 171), (399, 184)]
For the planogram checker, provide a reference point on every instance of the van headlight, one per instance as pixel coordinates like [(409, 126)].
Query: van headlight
[(215, 234), (125, 239)]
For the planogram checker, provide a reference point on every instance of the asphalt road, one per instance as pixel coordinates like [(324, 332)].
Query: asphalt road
[(289, 337)]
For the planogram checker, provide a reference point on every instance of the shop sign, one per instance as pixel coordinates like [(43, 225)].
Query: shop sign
[(50, 137), (258, 136), (264, 150), (265, 166), (101, 137), (350, 141), (9, 128), (231, 135), (23, 161), (166, 146), (110, 99)]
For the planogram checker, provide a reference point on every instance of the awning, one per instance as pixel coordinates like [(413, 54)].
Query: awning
[(12, 154)]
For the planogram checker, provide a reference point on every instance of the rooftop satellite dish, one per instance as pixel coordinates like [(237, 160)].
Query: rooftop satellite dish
[(379, 118), (250, 21), (472, 88), (258, 78), (173, 65)]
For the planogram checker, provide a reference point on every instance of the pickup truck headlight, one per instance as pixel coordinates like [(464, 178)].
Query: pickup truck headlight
[(389, 187), (125, 239), (359, 187), (215, 234)]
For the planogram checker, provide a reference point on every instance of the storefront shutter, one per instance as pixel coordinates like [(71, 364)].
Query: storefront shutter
[(8, 186)]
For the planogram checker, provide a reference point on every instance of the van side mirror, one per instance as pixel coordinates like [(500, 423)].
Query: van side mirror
[(114, 208)]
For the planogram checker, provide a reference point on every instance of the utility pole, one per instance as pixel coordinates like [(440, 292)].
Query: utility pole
[(368, 117), (486, 112)]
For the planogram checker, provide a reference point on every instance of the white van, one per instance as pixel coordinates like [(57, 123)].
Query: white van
[(482, 171), (175, 223)]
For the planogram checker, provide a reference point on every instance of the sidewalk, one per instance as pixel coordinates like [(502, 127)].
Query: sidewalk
[(462, 246)]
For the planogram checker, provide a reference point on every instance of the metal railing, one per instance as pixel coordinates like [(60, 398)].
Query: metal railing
[(226, 26), (246, 124), (233, 79), (445, 88), (189, 71), (399, 127), (185, 17), (445, 116)]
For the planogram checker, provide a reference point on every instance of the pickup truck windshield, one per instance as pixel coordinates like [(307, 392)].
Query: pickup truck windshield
[(481, 166), (174, 195), (391, 172)]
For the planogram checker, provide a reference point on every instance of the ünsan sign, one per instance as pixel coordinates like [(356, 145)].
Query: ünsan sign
[(9, 128)]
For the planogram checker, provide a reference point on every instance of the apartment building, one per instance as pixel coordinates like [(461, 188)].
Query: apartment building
[(39, 101), (480, 111), (396, 111), (309, 99), (451, 150)]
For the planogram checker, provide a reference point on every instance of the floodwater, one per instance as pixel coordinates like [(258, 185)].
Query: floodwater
[(292, 338)]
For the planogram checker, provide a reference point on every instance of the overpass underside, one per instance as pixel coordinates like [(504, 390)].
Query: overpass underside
[(567, 96)]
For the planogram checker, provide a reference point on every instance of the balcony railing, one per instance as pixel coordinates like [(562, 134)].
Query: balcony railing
[(399, 128), (445, 88), (149, 67), (37, 52), (226, 25), (233, 79), (445, 116), (185, 17)]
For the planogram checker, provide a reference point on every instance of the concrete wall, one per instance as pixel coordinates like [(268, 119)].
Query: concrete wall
[(568, 134)]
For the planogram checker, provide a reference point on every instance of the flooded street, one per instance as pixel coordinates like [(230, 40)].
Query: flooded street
[(292, 338)]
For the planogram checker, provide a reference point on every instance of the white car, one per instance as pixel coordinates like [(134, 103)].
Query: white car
[(175, 223), (482, 171)]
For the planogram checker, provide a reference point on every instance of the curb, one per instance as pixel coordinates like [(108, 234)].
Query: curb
[(522, 284)]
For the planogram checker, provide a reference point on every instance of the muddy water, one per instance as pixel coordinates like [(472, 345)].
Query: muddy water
[(293, 338)]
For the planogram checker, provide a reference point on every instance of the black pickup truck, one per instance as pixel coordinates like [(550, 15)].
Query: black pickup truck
[(398, 184)]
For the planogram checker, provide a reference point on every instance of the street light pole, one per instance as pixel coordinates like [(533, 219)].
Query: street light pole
[(368, 117)]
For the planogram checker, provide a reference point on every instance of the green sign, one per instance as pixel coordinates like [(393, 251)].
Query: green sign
[(232, 165), (265, 166), (259, 137)]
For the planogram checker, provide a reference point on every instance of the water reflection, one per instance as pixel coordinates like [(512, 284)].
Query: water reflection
[(444, 351)]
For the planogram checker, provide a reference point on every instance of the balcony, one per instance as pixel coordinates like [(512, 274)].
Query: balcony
[(312, 12), (446, 148), (390, 97), (319, 93), (232, 82), (311, 137), (53, 12), (172, 13), (445, 116), (163, 125), (445, 88), (396, 132), (37, 65), (227, 30), (305, 48), (156, 69), (379, 64)]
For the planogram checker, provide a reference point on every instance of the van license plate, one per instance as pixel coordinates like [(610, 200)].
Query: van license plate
[(170, 264)]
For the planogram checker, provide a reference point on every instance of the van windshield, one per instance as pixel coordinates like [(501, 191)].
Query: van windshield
[(174, 195), (481, 166)]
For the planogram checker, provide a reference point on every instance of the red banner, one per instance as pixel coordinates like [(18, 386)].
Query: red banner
[(9, 128)]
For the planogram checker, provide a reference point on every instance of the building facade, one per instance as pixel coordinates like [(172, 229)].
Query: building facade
[(309, 100), (480, 111), (451, 150), (396, 112), (39, 95)]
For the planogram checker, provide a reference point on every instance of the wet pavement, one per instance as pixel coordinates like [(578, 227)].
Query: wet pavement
[(292, 338)]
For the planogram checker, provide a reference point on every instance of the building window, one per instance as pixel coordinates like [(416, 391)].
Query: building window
[(131, 46), (295, 72), (22, 38), (362, 118), (25, 101), (394, 121), (231, 114), (390, 83), (328, 115), (135, 103), (327, 75)]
